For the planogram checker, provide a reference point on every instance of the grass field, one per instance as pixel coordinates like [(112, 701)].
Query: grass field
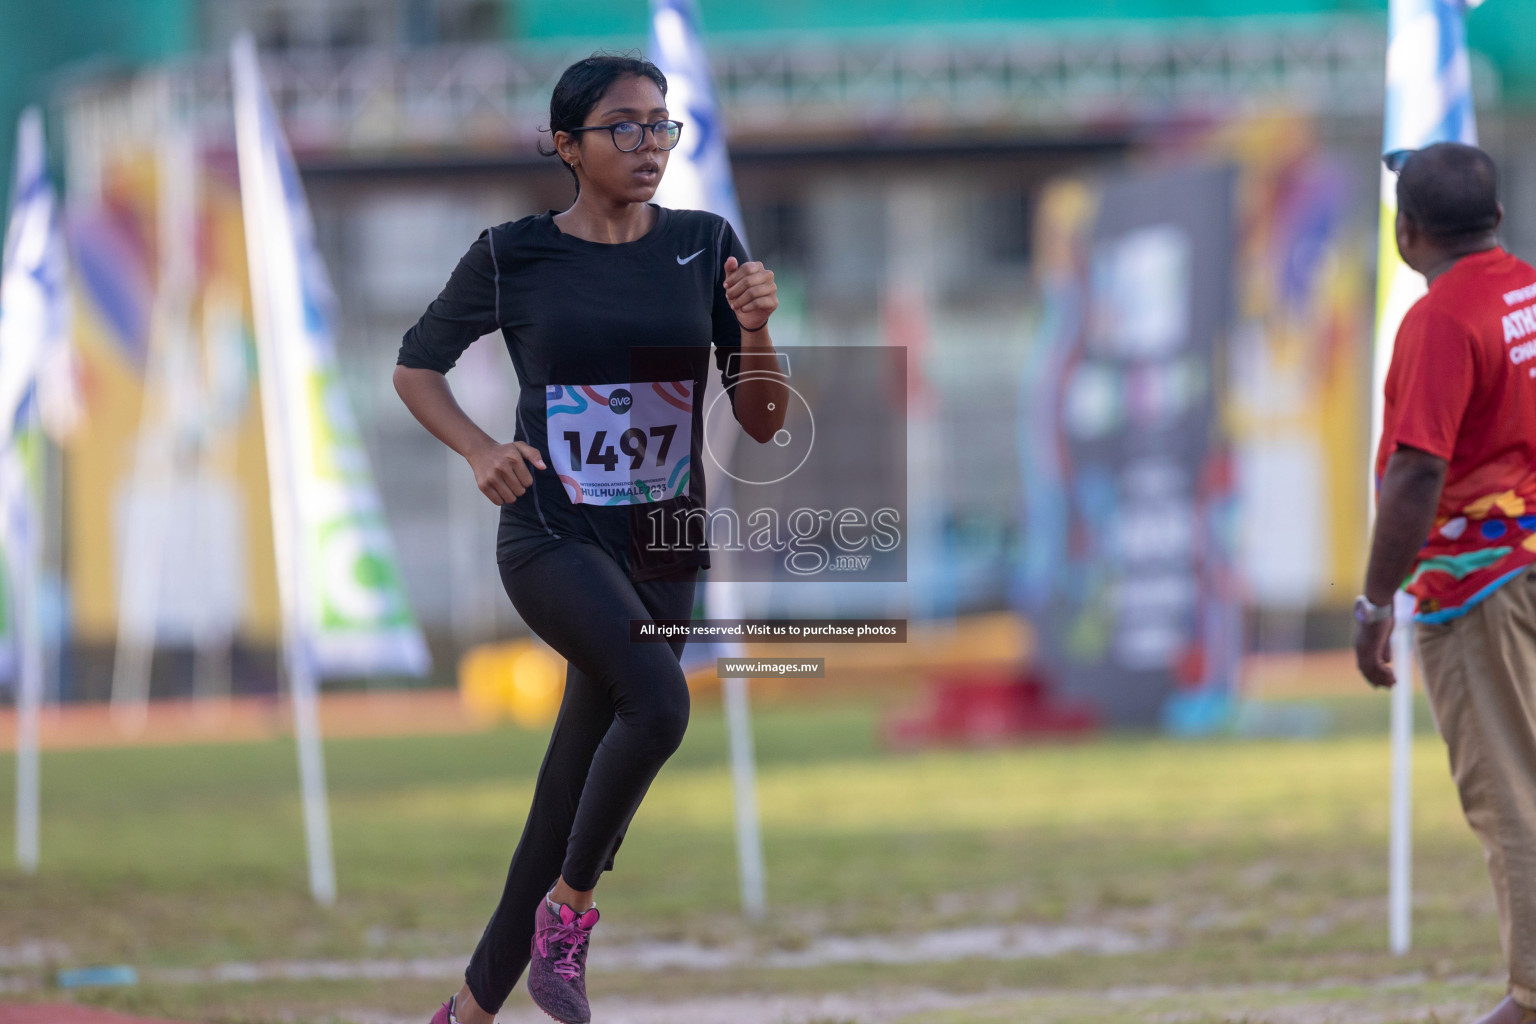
[(1245, 879)]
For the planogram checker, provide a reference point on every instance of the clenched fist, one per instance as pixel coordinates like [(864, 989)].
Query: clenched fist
[(750, 290), (501, 470)]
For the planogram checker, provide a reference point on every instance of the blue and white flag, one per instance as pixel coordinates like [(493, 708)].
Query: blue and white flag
[(33, 313), (1429, 78), (1429, 100), (698, 175), (34, 330), (344, 595)]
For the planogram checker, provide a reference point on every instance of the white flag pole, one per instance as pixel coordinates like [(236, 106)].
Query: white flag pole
[(1429, 100), (722, 599), (1400, 888), (699, 177), (154, 472), (749, 836), (303, 689), (257, 189), (744, 783), (29, 704), (31, 325)]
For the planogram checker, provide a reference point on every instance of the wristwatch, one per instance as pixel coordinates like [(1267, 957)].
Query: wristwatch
[(1367, 613)]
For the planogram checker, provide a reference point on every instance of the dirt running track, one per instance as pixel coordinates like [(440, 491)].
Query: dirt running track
[(66, 1013)]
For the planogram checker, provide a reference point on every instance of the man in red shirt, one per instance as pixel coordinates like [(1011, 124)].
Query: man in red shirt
[(1456, 520)]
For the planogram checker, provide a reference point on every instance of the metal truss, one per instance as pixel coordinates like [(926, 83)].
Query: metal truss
[(1034, 80), (1015, 81)]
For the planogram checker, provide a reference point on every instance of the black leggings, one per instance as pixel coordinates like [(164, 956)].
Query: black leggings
[(624, 712)]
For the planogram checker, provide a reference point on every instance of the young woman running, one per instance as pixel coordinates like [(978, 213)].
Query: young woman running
[(609, 310)]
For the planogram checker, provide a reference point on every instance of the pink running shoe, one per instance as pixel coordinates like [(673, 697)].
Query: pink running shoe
[(444, 1014), (557, 967)]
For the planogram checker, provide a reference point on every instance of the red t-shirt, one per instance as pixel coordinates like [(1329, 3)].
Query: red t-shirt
[(1462, 385)]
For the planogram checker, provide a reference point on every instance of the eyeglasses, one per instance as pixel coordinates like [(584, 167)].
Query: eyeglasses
[(628, 135), (1394, 160)]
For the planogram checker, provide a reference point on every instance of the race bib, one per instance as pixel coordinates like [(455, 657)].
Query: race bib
[(621, 444)]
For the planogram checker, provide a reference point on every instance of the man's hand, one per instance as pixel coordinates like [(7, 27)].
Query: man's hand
[(501, 470), (750, 290), (1373, 652), (1405, 513)]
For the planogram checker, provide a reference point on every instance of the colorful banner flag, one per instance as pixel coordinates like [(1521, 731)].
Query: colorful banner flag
[(1127, 576), (33, 334), (353, 615), (34, 329)]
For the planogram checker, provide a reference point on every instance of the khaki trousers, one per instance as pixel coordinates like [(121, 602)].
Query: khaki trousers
[(1480, 671)]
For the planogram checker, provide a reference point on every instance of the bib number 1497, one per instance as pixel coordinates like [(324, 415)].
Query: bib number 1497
[(632, 443), (621, 444)]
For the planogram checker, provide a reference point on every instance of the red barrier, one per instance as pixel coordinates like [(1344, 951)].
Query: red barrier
[(986, 708)]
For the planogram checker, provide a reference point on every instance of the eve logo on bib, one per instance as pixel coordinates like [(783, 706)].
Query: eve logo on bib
[(621, 444)]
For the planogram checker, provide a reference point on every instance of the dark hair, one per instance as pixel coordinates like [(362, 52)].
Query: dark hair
[(583, 84), (1450, 191)]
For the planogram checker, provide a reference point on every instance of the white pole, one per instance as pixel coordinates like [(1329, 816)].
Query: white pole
[(24, 586), (1397, 289), (29, 702), (1429, 100), (254, 189), (212, 636), (749, 839), (138, 591), (699, 177), (722, 600), (28, 253), (153, 473), (214, 672), (1400, 887), (302, 691), (209, 429)]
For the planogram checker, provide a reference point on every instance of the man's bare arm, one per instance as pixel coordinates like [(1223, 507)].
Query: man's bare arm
[(1405, 513)]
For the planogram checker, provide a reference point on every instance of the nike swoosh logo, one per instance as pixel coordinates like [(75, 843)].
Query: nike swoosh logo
[(681, 260)]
